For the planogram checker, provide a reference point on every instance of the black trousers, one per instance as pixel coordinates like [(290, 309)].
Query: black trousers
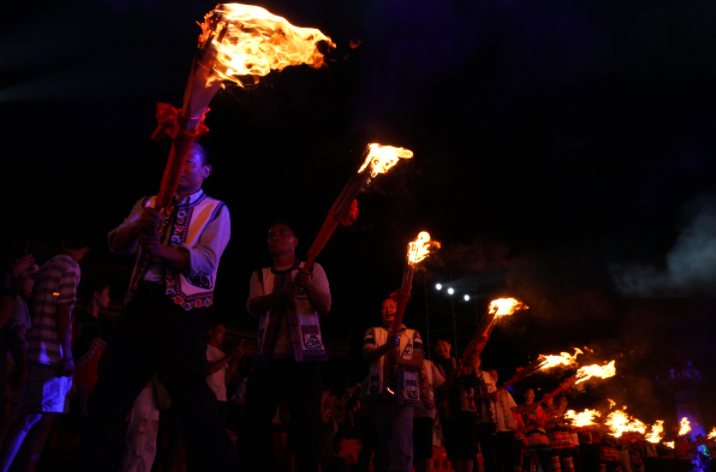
[(300, 384), (156, 336), (487, 438), (505, 451)]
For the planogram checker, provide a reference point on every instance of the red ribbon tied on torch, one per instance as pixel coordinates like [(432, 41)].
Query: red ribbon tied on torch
[(168, 123)]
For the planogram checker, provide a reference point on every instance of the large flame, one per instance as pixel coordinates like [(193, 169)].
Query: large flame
[(685, 426), (601, 371), (506, 306), (382, 158), (619, 422), (657, 432), (252, 41), (712, 434), (564, 359), (421, 247), (583, 418)]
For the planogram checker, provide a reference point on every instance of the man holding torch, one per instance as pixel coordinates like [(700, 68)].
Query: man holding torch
[(289, 299), (393, 402), (163, 328)]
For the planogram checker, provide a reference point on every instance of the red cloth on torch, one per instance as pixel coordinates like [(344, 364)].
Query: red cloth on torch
[(168, 123), (351, 215)]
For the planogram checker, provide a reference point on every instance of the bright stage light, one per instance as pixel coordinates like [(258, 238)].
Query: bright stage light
[(450, 291), (439, 286), (467, 298)]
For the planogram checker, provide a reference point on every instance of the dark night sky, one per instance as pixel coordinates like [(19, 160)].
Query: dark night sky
[(556, 144)]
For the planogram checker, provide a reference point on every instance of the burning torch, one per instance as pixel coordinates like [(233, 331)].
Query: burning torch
[(345, 209), (418, 250), (497, 309)]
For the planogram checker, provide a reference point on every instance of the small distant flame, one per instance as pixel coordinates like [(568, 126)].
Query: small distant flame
[(619, 422), (250, 40), (670, 444), (421, 247), (506, 306), (612, 403), (564, 359), (657, 432), (712, 434), (382, 158), (603, 372), (583, 418), (685, 426), (55, 294)]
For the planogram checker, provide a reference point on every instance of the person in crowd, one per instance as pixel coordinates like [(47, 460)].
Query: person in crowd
[(505, 438), (485, 398), (140, 444), (559, 434), (536, 440), (163, 329), (351, 427), (289, 300), (90, 335), (424, 416), (50, 360), (13, 340), (221, 367), (520, 447), (394, 387)]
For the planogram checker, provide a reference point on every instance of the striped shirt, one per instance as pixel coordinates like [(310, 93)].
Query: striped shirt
[(56, 282)]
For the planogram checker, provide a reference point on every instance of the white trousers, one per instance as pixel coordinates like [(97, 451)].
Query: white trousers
[(141, 439)]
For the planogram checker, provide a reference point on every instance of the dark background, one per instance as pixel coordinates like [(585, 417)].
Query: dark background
[(563, 155)]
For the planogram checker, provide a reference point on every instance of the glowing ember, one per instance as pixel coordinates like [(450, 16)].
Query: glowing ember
[(603, 372), (421, 248), (382, 158), (506, 306), (252, 41), (669, 444), (612, 403), (619, 422), (583, 418), (564, 359), (685, 426), (712, 434), (657, 432)]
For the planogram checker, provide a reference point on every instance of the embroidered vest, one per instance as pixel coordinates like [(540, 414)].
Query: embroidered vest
[(183, 225), (303, 325), (408, 388)]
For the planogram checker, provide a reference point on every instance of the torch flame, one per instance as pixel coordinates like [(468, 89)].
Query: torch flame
[(603, 372), (421, 247), (583, 418), (252, 41), (657, 432), (563, 359), (619, 422), (712, 434), (669, 444), (685, 426), (506, 306), (382, 158)]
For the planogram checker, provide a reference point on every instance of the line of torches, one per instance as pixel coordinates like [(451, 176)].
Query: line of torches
[(246, 41)]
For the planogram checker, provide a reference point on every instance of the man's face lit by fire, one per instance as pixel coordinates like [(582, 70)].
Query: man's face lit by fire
[(216, 335), (529, 395), (388, 312), (562, 403), (443, 349), (194, 174), (281, 240)]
